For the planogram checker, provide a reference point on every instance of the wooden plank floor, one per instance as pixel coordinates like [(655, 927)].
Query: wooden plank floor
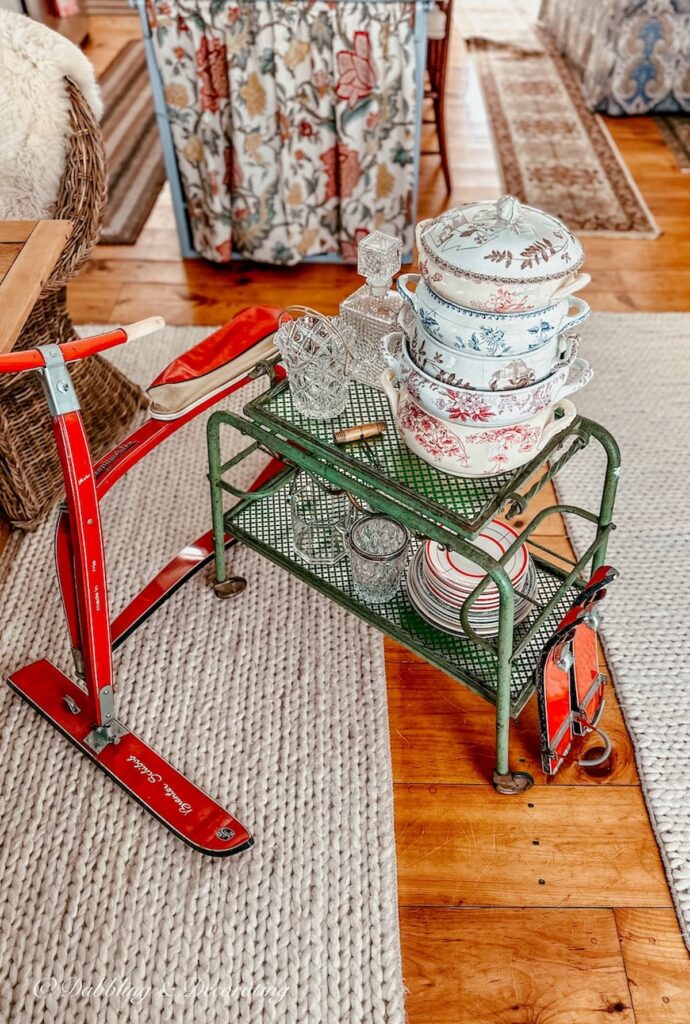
[(551, 907)]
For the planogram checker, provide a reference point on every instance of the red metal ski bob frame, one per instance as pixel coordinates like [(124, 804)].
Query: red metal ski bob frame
[(87, 716), (553, 695)]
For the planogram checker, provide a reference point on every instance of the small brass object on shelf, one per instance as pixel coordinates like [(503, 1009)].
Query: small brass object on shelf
[(360, 432)]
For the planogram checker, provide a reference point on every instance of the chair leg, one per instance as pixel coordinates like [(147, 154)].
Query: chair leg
[(440, 118)]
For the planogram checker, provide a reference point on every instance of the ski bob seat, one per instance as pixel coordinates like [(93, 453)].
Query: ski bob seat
[(208, 367)]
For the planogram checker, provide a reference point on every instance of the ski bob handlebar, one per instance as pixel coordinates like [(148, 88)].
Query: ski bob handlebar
[(32, 358)]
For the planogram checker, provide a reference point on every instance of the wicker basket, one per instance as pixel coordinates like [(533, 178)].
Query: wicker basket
[(30, 475)]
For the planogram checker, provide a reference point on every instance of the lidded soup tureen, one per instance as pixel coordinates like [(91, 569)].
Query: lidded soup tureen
[(502, 257)]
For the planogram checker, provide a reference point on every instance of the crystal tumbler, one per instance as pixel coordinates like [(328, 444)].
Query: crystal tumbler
[(377, 551)]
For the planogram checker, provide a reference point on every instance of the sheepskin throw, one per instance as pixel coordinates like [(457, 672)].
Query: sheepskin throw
[(34, 113)]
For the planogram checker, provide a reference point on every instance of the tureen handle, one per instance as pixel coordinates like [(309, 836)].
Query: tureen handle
[(392, 393), (578, 311), (580, 374), (508, 209), (401, 285), (419, 231), (554, 425), (391, 347), (567, 350), (576, 285)]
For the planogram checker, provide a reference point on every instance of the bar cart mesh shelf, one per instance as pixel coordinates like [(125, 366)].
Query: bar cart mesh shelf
[(386, 460), (265, 526)]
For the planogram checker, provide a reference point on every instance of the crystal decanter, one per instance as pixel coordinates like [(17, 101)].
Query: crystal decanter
[(372, 310)]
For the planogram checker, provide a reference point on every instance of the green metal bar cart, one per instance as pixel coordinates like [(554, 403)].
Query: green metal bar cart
[(385, 476)]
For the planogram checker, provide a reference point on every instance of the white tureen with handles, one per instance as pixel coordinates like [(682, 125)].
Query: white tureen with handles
[(490, 334), (468, 449), (502, 257), (468, 405)]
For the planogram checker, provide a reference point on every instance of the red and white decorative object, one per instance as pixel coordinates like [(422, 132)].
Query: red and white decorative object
[(502, 257), (458, 572), (469, 405), (471, 449)]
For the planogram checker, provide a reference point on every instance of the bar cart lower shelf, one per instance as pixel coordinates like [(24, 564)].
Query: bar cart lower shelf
[(500, 669), (265, 526)]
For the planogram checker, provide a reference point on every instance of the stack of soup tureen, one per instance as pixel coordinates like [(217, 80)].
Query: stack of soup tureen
[(483, 359)]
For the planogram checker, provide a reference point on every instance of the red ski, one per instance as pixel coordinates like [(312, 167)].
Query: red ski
[(178, 804), (205, 374)]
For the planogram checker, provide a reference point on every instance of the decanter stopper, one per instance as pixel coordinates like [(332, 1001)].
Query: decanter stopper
[(379, 258)]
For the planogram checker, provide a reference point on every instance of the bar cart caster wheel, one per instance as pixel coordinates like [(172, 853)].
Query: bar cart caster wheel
[(512, 783), (230, 588)]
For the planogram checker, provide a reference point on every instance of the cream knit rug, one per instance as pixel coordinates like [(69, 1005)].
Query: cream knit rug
[(274, 703), (640, 392)]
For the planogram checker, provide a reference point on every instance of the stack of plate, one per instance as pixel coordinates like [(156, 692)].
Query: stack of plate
[(439, 582)]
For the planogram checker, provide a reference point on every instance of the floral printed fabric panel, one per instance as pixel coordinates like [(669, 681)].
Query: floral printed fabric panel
[(293, 121), (633, 55)]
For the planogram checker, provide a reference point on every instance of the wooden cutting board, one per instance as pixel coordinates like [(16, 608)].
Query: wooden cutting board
[(29, 249)]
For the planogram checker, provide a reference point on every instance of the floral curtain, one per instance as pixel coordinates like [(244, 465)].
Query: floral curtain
[(293, 121)]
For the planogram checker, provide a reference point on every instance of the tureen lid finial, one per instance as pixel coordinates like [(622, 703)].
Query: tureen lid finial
[(508, 209)]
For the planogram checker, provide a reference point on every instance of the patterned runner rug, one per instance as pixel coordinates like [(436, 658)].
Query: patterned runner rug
[(646, 614), (276, 704), (136, 172), (553, 153)]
